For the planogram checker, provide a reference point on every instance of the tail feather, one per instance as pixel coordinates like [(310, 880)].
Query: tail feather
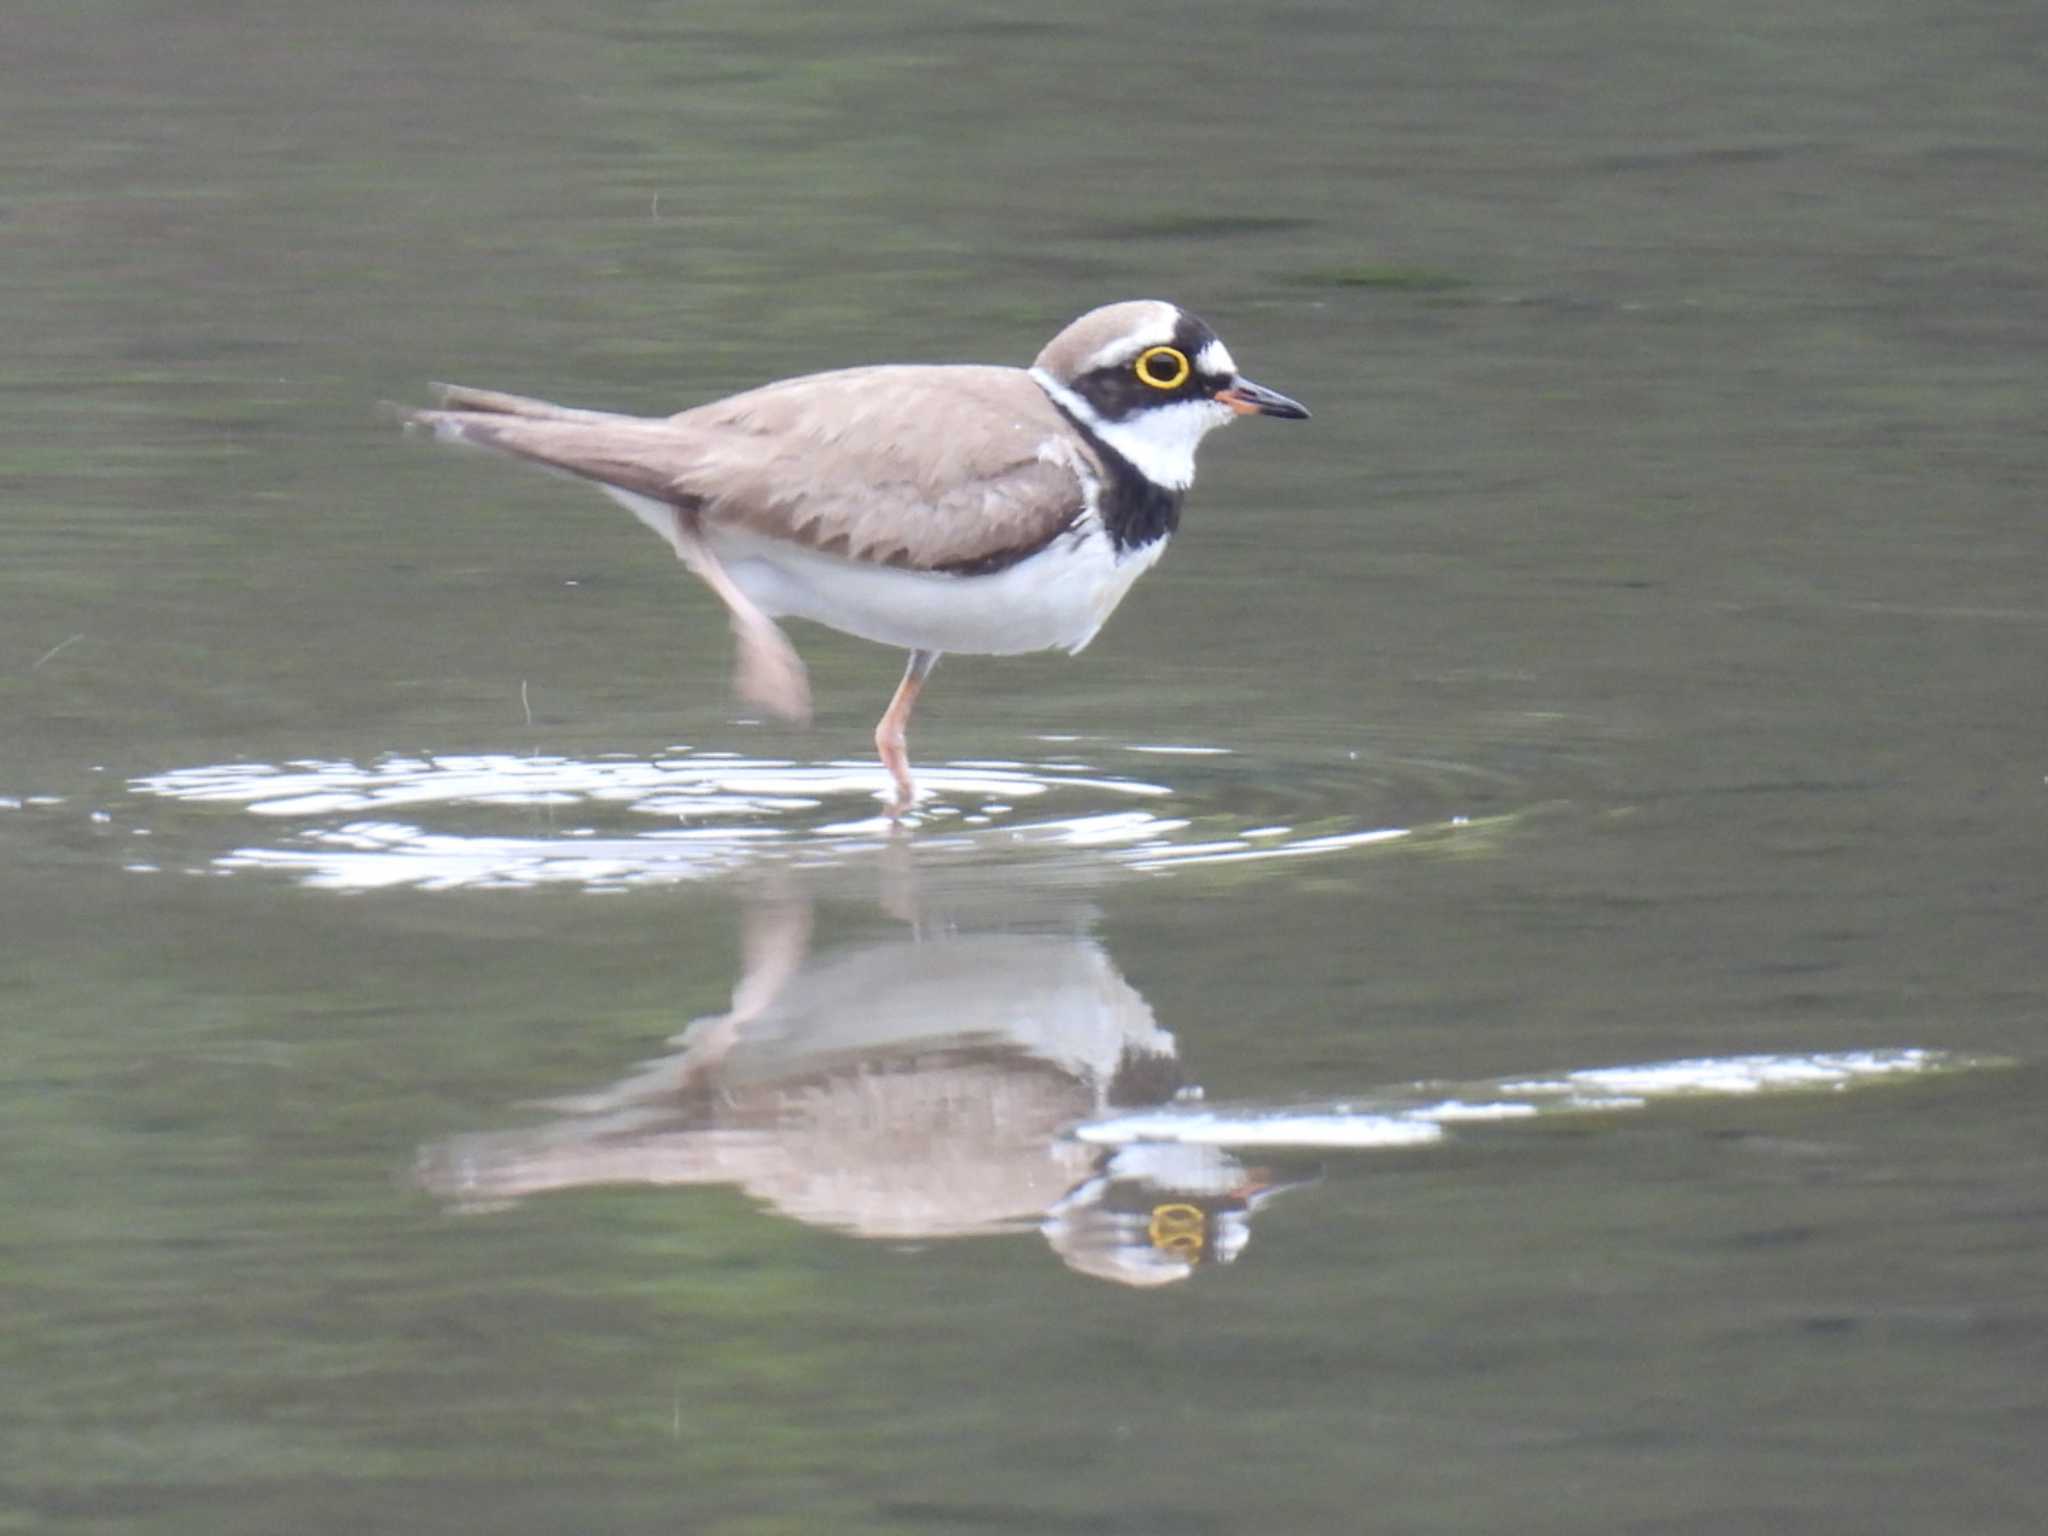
[(466, 415), (444, 426), (492, 402)]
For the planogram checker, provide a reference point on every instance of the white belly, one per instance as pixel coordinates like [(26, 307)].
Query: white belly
[(1055, 600)]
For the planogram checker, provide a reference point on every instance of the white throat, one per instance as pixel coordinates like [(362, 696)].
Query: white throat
[(1160, 442)]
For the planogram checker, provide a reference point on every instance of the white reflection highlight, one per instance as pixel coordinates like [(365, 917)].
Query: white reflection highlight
[(1261, 1128), (1418, 1115)]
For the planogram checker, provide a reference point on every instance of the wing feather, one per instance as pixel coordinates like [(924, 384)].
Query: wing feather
[(928, 468)]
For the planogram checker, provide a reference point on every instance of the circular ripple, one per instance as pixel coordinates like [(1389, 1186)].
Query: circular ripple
[(497, 821)]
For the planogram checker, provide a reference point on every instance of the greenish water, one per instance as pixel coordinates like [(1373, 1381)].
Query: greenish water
[(1638, 659)]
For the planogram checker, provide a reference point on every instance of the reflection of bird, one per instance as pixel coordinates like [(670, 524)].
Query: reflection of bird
[(905, 1089), (976, 509), (953, 1084)]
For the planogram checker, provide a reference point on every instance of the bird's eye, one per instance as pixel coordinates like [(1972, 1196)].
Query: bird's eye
[(1164, 367)]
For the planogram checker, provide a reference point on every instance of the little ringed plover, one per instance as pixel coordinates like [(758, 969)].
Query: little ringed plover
[(983, 510)]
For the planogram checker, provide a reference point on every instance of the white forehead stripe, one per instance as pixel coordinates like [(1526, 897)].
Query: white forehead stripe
[(1157, 331), (1214, 360)]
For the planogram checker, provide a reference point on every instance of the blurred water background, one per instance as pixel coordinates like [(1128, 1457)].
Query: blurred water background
[(1638, 660)]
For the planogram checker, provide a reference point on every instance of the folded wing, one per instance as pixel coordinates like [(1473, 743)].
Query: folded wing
[(958, 469)]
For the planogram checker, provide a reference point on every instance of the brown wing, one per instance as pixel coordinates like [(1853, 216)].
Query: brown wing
[(957, 468)]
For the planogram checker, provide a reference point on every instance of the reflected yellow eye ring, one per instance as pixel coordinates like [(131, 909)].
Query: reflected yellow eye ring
[(1164, 367), (1178, 1229)]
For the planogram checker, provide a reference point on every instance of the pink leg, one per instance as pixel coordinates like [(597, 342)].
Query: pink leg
[(889, 733)]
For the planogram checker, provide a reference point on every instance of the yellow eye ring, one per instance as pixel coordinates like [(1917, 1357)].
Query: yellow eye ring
[(1164, 367)]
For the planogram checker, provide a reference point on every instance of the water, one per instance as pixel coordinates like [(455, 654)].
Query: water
[(1503, 991)]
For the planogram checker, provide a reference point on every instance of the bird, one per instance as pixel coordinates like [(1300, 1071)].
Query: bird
[(975, 509)]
